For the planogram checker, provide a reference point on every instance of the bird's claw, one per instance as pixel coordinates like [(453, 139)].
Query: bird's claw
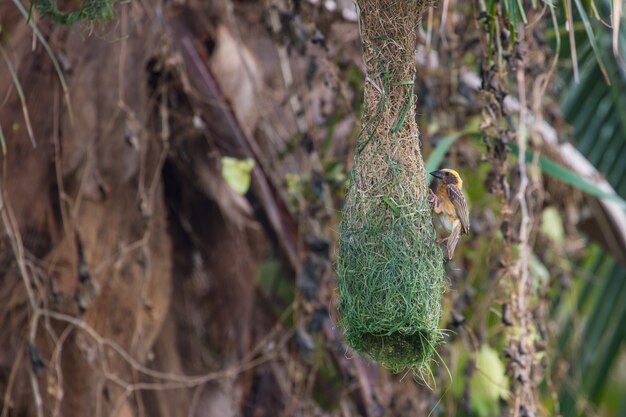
[(433, 198)]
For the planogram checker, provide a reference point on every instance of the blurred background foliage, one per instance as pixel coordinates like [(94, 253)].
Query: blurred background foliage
[(579, 285), (592, 336), (468, 112)]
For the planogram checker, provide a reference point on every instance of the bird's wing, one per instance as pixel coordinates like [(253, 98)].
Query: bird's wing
[(460, 206)]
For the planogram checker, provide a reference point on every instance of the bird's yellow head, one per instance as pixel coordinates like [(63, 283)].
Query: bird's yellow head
[(448, 176)]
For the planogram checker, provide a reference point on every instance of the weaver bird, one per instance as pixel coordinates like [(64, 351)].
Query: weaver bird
[(450, 208)]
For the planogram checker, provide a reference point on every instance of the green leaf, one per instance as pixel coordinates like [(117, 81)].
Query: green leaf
[(392, 205), (555, 170), (539, 273), (440, 150), (547, 165), (459, 357), (488, 383), (552, 225), (236, 173), (294, 185), (592, 39)]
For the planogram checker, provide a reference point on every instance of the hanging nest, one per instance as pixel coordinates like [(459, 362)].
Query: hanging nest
[(390, 268), (88, 11)]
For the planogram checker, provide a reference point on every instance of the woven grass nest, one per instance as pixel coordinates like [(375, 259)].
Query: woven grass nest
[(87, 10), (390, 268)]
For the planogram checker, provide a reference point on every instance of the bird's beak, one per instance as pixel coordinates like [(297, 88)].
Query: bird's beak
[(437, 174)]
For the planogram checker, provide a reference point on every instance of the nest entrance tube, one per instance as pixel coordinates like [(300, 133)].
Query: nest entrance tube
[(389, 266)]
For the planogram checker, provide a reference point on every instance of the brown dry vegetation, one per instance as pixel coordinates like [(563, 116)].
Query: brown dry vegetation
[(129, 267)]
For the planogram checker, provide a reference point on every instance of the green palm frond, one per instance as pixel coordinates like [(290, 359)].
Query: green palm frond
[(594, 334), (596, 109)]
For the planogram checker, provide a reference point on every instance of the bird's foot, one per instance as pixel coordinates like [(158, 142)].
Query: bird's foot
[(441, 240), (434, 200)]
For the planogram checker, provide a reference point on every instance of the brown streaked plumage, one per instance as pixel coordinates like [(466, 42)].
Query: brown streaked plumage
[(450, 208)]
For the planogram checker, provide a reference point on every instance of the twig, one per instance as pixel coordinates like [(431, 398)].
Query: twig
[(119, 255), (374, 84), (121, 82), (36, 392), (526, 395), (7, 393), (58, 169), (173, 380), (522, 138), (194, 400), (38, 35), (20, 94), (12, 230), (56, 359)]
